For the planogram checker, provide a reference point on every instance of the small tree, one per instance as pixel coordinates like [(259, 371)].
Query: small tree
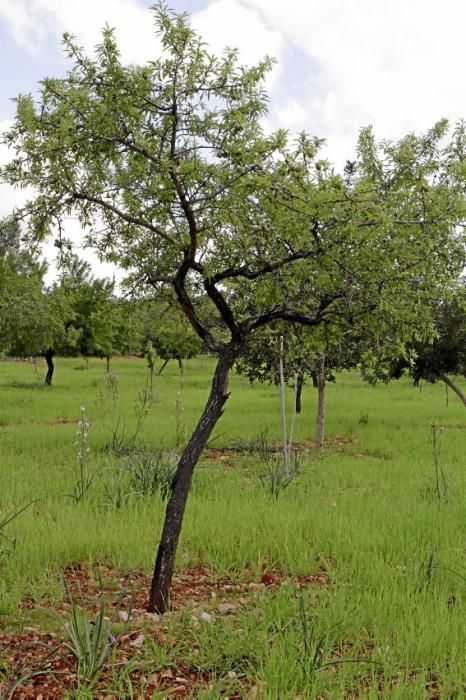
[(168, 168)]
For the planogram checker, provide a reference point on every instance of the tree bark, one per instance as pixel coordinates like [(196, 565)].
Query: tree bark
[(320, 422), (48, 354), (454, 387), (165, 560), (299, 391), (108, 364)]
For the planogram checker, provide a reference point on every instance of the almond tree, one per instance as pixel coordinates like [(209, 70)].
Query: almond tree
[(172, 176)]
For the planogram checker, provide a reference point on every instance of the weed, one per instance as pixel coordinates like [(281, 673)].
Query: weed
[(259, 444), (317, 649), (91, 641), (277, 480), (11, 516), (116, 489), (83, 476), (111, 384), (123, 441), (363, 419), (439, 489), (427, 571), (152, 472), (179, 428), (13, 677)]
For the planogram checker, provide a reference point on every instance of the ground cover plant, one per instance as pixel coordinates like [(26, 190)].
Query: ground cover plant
[(350, 583)]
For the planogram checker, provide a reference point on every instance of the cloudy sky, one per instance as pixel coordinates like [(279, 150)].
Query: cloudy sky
[(341, 64)]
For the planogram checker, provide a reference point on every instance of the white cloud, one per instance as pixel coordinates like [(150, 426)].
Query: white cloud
[(34, 21), (395, 64), (20, 21), (228, 23)]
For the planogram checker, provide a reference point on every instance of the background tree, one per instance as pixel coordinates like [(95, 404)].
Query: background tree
[(31, 319), (159, 321), (169, 170), (438, 358), (91, 322), (313, 354)]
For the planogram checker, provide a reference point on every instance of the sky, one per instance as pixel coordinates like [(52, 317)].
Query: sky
[(341, 64)]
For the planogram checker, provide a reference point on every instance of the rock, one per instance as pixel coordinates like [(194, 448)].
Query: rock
[(138, 643), (205, 617), (231, 674), (226, 608), (124, 616), (152, 616)]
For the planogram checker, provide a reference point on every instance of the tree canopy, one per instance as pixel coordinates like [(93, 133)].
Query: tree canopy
[(172, 175)]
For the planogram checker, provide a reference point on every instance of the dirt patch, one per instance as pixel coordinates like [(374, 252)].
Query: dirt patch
[(191, 586), (40, 669), (230, 453), (63, 420)]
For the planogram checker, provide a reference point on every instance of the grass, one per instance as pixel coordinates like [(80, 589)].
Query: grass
[(365, 509)]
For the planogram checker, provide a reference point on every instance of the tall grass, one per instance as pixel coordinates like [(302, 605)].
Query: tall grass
[(359, 509)]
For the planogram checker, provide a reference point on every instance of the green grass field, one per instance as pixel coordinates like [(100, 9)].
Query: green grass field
[(386, 615)]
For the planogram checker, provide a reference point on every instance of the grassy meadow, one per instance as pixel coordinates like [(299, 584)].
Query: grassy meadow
[(376, 536)]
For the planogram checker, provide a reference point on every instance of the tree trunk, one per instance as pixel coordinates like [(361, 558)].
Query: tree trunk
[(163, 367), (50, 367), (454, 387), (320, 422), (181, 366), (286, 454), (165, 561), (299, 391), (108, 364)]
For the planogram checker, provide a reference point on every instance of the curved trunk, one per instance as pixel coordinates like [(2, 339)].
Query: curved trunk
[(320, 422), (165, 560), (48, 354), (454, 387)]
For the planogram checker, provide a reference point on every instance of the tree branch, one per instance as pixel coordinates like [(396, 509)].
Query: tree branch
[(129, 218)]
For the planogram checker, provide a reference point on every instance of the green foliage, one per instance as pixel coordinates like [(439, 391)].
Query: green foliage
[(90, 322), (30, 319), (189, 191)]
